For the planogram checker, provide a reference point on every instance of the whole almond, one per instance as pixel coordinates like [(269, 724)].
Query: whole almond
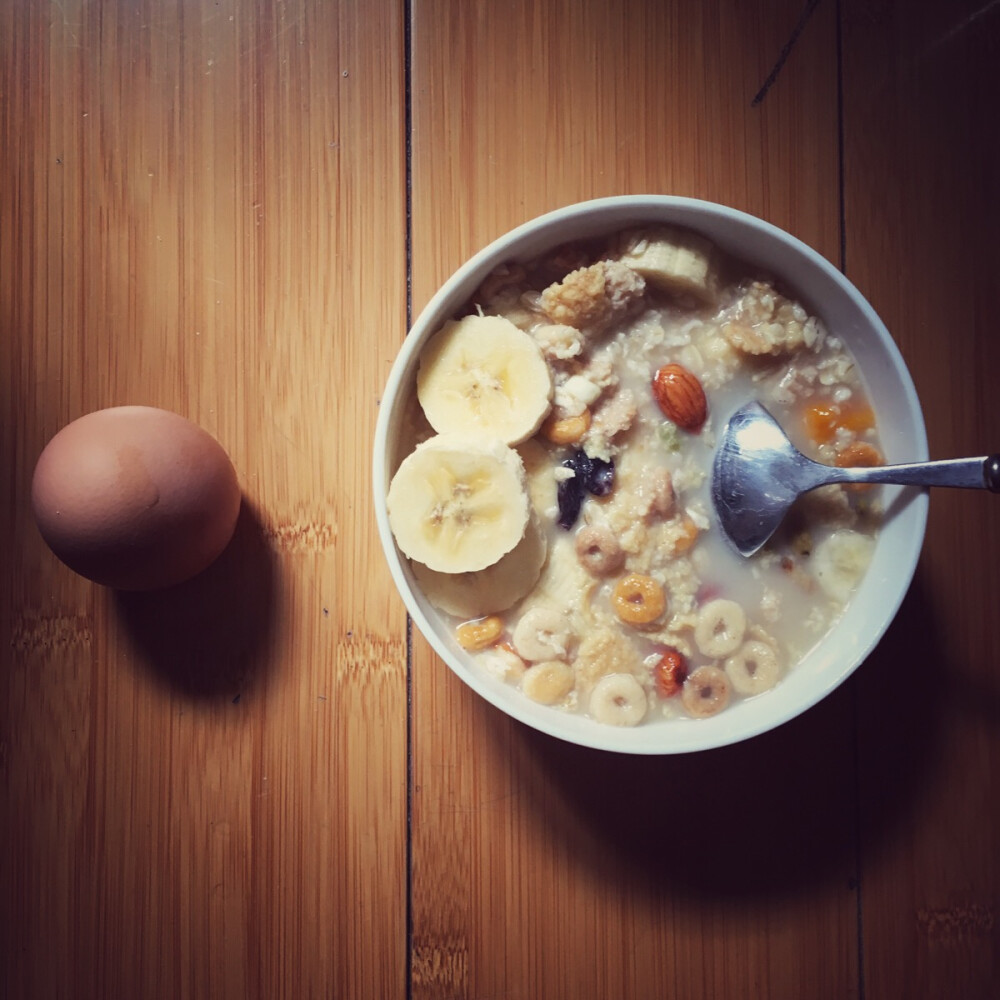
[(680, 396)]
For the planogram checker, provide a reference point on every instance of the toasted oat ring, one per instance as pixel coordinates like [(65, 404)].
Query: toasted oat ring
[(753, 668), (638, 599), (598, 550), (720, 627), (705, 692)]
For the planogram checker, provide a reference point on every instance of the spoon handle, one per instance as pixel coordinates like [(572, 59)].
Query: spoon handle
[(968, 473)]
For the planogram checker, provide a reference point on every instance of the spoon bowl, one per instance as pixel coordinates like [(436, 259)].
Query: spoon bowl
[(758, 474)]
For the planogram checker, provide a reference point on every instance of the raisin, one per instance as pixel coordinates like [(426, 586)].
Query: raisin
[(590, 475), (602, 477), (569, 493)]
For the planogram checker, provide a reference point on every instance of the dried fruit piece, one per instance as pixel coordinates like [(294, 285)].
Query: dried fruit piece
[(680, 396), (600, 479), (669, 673), (569, 494), (821, 421), (824, 418), (590, 475), (859, 455)]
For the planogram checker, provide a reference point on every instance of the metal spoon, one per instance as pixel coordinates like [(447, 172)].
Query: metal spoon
[(758, 472)]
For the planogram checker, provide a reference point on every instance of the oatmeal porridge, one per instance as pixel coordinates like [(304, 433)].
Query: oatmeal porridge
[(553, 494)]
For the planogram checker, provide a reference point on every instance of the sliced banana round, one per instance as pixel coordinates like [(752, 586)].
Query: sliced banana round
[(564, 583), (457, 504), (540, 470), (753, 668), (481, 374), (618, 700), (675, 260), (542, 634), (840, 561), (720, 627), (491, 590), (548, 683), (705, 692)]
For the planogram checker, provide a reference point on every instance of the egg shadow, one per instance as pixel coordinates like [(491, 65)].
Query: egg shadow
[(211, 636), (777, 814)]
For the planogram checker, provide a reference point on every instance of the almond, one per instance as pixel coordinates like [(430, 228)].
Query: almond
[(680, 396)]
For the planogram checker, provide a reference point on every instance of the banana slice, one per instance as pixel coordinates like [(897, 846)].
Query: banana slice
[(840, 561), (540, 470), (674, 260), (457, 504), (490, 590), (564, 583), (481, 374)]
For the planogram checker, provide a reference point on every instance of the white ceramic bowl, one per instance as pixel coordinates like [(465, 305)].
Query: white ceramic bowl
[(827, 293)]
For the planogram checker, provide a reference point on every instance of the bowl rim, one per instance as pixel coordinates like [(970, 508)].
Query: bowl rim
[(455, 290)]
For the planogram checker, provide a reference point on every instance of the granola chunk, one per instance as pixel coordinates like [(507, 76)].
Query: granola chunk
[(765, 322), (593, 297)]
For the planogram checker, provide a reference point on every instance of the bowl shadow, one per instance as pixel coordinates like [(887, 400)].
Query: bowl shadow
[(211, 636), (775, 814), (908, 690)]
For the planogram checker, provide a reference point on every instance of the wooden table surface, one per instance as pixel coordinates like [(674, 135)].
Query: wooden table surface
[(263, 785)]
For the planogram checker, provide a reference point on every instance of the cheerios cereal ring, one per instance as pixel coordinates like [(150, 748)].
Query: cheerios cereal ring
[(705, 692), (753, 668), (598, 550), (638, 599), (720, 627), (618, 700)]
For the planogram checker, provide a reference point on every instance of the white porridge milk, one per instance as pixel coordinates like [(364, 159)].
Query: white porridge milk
[(553, 495)]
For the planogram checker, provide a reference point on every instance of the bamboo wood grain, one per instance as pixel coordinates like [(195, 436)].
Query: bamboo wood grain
[(921, 161), (202, 208), (540, 869)]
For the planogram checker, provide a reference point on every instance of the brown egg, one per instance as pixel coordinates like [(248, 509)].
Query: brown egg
[(135, 497)]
